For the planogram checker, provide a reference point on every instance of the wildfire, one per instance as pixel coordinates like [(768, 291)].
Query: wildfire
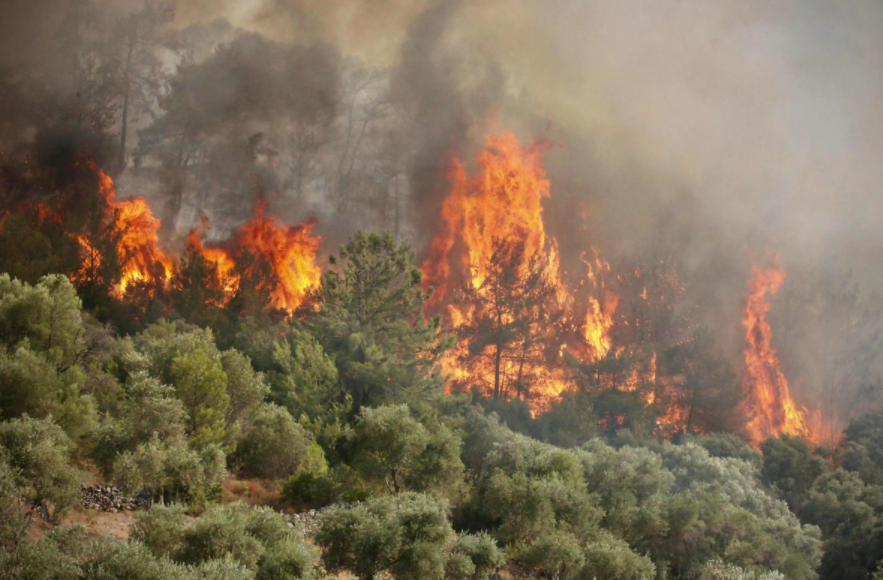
[(290, 252), (769, 404), (136, 228), (219, 258), (490, 222)]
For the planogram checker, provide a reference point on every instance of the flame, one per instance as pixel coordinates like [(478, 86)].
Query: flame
[(599, 320), (503, 202), (219, 258), (770, 409), (290, 251), (138, 246)]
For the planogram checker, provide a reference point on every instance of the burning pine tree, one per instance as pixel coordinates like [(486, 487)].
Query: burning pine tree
[(497, 281)]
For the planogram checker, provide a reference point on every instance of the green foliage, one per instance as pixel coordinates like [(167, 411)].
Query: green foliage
[(57, 556), (161, 529), (159, 465), (149, 409), (201, 384), (718, 570), (47, 343), (46, 316), (863, 447), (392, 447), (610, 557), (275, 446), (728, 445), (37, 450), (791, 467), (226, 568), (257, 538), (676, 504), (114, 560), (288, 559), (371, 323), (848, 513), (246, 389), (307, 381), (473, 557), (555, 554), (405, 535), (220, 391)]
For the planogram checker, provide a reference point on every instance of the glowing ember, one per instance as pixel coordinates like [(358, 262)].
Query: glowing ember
[(138, 246), (770, 407)]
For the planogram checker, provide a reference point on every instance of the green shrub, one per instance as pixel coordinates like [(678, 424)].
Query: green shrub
[(161, 529), (405, 535), (38, 452), (275, 446)]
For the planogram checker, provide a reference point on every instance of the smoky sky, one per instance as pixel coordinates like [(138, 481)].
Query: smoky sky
[(766, 112)]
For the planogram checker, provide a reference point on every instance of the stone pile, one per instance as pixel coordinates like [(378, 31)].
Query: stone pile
[(107, 498)]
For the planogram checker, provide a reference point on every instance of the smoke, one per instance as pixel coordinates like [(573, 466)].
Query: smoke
[(715, 132)]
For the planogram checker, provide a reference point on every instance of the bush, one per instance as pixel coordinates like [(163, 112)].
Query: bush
[(404, 535), (392, 447), (258, 539), (552, 555), (289, 559), (221, 531), (114, 560), (161, 529), (611, 558), (275, 446), (38, 450), (474, 557)]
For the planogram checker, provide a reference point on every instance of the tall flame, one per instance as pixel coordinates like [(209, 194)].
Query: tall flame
[(137, 228), (503, 203), (770, 407)]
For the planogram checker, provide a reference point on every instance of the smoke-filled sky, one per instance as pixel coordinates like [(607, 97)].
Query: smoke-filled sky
[(736, 127), (766, 112)]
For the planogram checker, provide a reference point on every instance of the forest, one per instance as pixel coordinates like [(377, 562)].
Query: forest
[(315, 313)]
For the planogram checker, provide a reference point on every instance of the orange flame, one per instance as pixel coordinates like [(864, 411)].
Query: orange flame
[(137, 228), (289, 250), (219, 258), (503, 202), (770, 409)]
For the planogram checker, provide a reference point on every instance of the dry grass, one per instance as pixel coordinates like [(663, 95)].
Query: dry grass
[(254, 492)]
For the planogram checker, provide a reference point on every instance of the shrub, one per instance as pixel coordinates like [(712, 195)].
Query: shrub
[(404, 535), (275, 446)]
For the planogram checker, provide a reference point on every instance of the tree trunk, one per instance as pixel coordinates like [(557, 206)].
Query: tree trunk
[(498, 356)]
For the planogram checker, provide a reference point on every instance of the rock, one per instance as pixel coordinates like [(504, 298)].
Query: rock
[(108, 498)]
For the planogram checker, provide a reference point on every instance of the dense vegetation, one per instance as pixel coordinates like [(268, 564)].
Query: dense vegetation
[(346, 403)]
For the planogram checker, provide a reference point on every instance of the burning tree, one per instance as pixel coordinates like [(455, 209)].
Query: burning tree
[(511, 346)]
